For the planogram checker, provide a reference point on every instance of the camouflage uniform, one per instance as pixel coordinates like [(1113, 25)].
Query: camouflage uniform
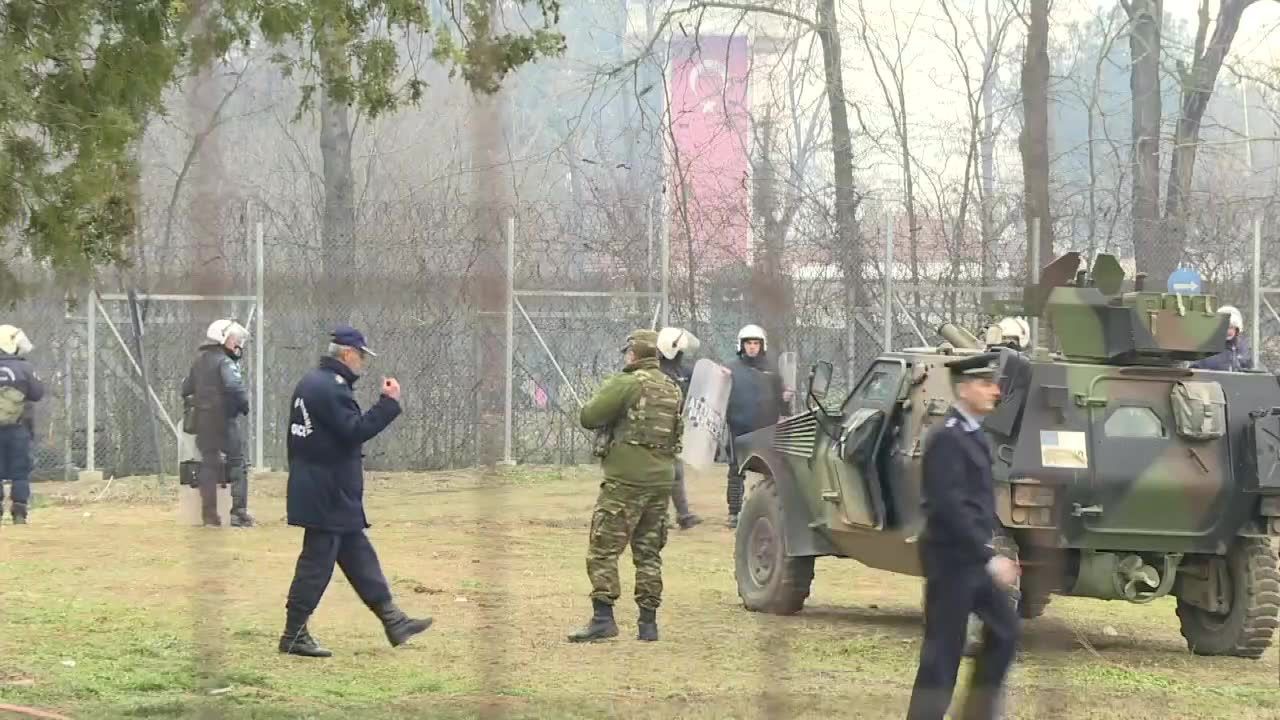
[(638, 412)]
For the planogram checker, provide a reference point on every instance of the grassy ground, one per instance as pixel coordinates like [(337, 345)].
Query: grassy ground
[(110, 609)]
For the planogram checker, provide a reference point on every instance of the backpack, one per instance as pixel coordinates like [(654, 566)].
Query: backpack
[(12, 404), (1199, 410), (654, 420)]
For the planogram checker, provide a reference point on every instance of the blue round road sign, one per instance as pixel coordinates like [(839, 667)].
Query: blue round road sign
[(1184, 281)]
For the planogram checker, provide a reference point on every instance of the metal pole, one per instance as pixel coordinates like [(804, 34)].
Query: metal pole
[(1256, 345), (1033, 276), (91, 393), (550, 355), (511, 331), (648, 258), (259, 351), (665, 234), (67, 410), (164, 414), (888, 286)]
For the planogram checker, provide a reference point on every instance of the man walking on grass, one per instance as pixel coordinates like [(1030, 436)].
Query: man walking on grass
[(326, 493)]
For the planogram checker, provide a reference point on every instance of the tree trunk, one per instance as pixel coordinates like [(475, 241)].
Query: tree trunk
[(337, 240), (486, 289), (768, 285), (1145, 18), (1197, 88), (846, 197), (987, 152), (1034, 141)]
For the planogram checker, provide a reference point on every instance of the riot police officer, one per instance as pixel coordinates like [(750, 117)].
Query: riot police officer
[(674, 346), (757, 399), (1236, 354), (963, 572), (216, 391), (20, 389)]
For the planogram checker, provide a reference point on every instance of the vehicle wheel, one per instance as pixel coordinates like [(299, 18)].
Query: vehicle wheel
[(1246, 629), (768, 580)]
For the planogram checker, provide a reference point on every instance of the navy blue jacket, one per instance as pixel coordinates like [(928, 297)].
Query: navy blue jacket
[(959, 500), (755, 401), (326, 465), (218, 395), (16, 372), (1236, 357)]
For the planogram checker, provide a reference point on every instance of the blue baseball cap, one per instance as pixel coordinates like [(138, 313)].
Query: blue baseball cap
[(351, 337)]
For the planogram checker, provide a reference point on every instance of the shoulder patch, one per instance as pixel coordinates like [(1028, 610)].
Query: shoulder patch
[(338, 379), (951, 422)]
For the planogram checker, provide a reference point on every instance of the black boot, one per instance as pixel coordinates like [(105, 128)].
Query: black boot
[(398, 626), (689, 521), (295, 640), (648, 625), (19, 513), (241, 518), (601, 626)]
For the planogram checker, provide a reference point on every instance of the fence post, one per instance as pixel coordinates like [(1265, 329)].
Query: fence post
[(511, 309), (1033, 276), (1257, 290), (888, 286), (259, 352), (91, 394)]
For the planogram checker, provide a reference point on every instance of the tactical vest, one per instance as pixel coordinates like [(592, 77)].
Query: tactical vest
[(12, 404), (654, 417)]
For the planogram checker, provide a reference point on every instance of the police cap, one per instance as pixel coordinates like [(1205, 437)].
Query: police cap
[(974, 367), (644, 343)]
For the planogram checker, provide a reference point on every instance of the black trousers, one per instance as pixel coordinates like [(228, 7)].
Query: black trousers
[(737, 482), (350, 551), (952, 591)]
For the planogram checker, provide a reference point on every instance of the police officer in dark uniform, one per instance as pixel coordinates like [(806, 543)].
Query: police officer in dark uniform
[(963, 572), (216, 391), (20, 389), (757, 399), (326, 492)]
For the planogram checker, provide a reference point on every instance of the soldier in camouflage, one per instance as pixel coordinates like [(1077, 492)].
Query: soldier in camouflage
[(638, 413)]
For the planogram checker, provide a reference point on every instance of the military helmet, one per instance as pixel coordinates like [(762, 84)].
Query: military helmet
[(1237, 320), (752, 332), (13, 341), (643, 343), (673, 340)]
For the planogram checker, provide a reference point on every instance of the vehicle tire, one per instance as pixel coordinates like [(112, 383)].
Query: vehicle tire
[(1247, 628), (768, 580)]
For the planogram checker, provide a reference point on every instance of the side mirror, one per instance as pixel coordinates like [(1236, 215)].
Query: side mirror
[(819, 381)]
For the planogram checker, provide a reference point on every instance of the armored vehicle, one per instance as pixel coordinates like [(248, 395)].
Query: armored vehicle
[(1121, 473)]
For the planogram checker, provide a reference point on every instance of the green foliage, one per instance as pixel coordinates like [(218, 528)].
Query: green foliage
[(80, 78)]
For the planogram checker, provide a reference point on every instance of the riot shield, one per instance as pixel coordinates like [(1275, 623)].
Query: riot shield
[(704, 409), (787, 368)]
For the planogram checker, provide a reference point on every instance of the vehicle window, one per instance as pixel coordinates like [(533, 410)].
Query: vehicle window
[(1134, 422), (878, 389)]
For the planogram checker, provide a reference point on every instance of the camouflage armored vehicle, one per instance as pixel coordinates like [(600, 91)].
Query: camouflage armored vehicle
[(1121, 474)]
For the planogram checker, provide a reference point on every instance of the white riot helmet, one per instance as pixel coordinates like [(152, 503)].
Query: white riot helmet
[(222, 330), (1237, 320), (752, 332), (13, 341), (1015, 328), (672, 341)]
